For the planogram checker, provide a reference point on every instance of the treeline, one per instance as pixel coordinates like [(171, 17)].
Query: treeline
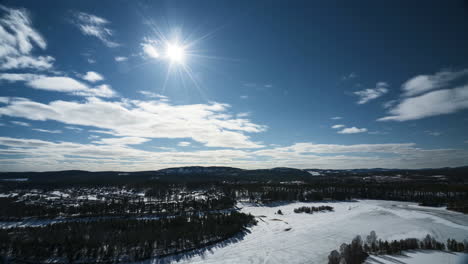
[(455, 195), (115, 240), (358, 250), (313, 209), (459, 206), (11, 209)]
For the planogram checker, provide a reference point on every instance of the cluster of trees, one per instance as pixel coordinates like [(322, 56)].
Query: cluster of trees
[(349, 254), (113, 240), (11, 209), (456, 246), (313, 209), (358, 250)]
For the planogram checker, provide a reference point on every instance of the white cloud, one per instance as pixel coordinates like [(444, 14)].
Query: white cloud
[(352, 130), (337, 126), (150, 48), (20, 62), (154, 95), (19, 123), (205, 123), (92, 76), (336, 118), (367, 95), (433, 103), (17, 39), (16, 77), (102, 90), (244, 97), (389, 104), (120, 58), (60, 84), (118, 155), (74, 128), (95, 26), (184, 144), (434, 133), (122, 141), (425, 83), (349, 76), (47, 131)]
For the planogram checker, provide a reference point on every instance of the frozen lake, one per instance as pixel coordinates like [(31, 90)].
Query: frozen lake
[(303, 238)]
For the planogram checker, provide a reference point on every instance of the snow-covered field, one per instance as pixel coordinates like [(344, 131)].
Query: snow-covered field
[(302, 238), (421, 257)]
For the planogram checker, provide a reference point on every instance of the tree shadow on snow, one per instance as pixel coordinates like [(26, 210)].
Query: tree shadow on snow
[(196, 252)]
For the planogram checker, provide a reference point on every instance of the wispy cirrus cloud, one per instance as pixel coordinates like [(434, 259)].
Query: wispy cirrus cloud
[(20, 123), (79, 129), (17, 40), (48, 131), (92, 25), (367, 95), (154, 95)]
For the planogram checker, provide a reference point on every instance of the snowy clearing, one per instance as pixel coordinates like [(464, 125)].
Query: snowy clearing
[(309, 238), (421, 257)]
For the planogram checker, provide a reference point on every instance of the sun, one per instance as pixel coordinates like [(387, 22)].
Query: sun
[(175, 53)]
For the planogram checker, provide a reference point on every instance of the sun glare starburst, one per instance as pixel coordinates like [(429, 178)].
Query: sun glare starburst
[(175, 53), (179, 52)]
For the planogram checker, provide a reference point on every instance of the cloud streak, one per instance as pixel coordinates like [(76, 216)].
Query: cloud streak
[(92, 25), (367, 95)]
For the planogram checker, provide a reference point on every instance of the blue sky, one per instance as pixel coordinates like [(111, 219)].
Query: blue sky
[(141, 85)]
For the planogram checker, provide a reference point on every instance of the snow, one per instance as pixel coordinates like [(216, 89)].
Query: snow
[(420, 257), (15, 180), (309, 238)]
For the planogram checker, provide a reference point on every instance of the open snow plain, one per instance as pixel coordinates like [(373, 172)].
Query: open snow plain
[(303, 238), (421, 257)]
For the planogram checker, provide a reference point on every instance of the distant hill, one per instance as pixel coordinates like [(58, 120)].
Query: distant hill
[(199, 173)]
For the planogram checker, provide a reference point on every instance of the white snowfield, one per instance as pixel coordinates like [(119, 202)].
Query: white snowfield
[(421, 257), (308, 238)]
